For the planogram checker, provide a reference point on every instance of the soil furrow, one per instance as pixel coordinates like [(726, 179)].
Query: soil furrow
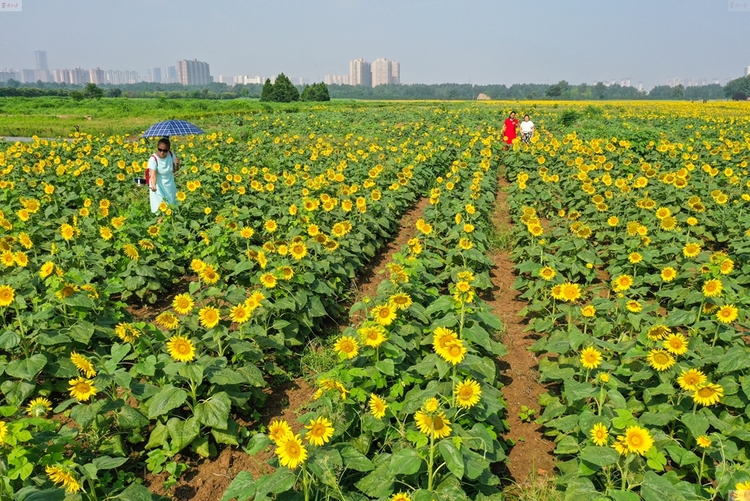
[(531, 455)]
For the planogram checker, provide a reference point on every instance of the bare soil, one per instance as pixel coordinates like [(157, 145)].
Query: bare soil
[(531, 456)]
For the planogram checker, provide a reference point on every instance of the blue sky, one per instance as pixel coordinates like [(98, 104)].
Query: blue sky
[(477, 41)]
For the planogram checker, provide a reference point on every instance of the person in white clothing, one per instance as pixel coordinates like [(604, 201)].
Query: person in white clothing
[(527, 129)]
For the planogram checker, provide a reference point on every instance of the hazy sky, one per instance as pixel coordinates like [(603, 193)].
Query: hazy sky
[(436, 41)]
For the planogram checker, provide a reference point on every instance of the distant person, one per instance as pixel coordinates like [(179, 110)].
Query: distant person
[(162, 165), (509, 128), (527, 129)]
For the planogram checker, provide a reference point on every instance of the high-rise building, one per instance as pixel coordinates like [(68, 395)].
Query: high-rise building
[(96, 76), (8, 74), (156, 75), (41, 60), (360, 73), (336, 79), (226, 79), (193, 72), (381, 72), (395, 72), (28, 76), (42, 69), (747, 71)]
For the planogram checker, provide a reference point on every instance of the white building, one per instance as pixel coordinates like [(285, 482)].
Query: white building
[(747, 71), (226, 79), (336, 79), (360, 73)]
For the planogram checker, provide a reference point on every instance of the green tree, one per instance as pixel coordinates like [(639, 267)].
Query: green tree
[(92, 91), (283, 90), (76, 95), (267, 93), (599, 90)]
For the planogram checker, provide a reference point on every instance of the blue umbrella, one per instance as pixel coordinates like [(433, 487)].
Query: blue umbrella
[(172, 128)]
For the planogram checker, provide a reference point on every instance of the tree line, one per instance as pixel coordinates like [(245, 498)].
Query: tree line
[(284, 91)]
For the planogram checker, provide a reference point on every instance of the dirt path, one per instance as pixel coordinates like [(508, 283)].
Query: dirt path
[(531, 455)]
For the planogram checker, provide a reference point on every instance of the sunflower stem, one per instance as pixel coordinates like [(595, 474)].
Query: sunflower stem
[(430, 473), (305, 485), (700, 468)]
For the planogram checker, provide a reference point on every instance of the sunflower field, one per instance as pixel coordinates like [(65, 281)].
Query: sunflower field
[(632, 253), (631, 247)]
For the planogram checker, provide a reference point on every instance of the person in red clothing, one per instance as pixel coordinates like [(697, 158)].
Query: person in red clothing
[(509, 128)]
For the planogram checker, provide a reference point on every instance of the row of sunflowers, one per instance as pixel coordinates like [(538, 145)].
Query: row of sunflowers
[(413, 410), (633, 259), (256, 258)]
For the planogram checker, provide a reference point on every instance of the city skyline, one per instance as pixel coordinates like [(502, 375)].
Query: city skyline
[(171, 74), (439, 41)]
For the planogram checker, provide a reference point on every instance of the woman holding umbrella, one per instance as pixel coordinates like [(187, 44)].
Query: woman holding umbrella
[(162, 165)]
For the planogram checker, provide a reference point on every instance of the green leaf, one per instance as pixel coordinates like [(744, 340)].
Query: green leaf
[(135, 492), (452, 457), (107, 462), (323, 463), (167, 399), (353, 458), (385, 366), (624, 496), (53, 494), (279, 481), (735, 359), (27, 368), (405, 462), (214, 412), (580, 489), (682, 456), (600, 456), (201, 446), (696, 423), (228, 436), (658, 488), (257, 443), (379, 483), (182, 432), (242, 487)]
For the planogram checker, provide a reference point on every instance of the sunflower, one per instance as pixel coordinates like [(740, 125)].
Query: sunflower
[(291, 452), (181, 349), (209, 274), (726, 266), (7, 294), (591, 358), (319, 431), (660, 360), (712, 288), (442, 337), (25, 240), (7, 259), (197, 265), (454, 352), (82, 389), (727, 314), (168, 320), (401, 496), (638, 440), (467, 393), (372, 335), (268, 280), (153, 231), (599, 434), (635, 257), (401, 301), (346, 346), (60, 475), (691, 380), (703, 441), (436, 425), (271, 226), (588, 311), (240, 313), (127, 332), (431, 405), (131, 252), (146, 244), (46, 269), (279, 430), (67, 231), (39, 407), (21, 259), (691, 249), (676, 344), (378, 406), (668, 274), (183, 304), (622, 283), (298, 250), (465, 244), (634, 306), (547, 273), (246, 232), (82, 364), (708, 394), (209, 317), (384, 314)]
